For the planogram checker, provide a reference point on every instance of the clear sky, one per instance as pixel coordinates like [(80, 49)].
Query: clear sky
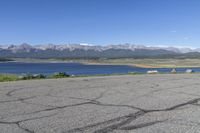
[(148, 22)]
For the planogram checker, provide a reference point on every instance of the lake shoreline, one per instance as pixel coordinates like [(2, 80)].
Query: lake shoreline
[(17, 70), (142, 63), (15, 77)]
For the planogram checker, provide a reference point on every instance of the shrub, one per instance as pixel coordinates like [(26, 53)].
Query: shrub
[(26, 76), (60, 75), (39, 76), (32, 76)]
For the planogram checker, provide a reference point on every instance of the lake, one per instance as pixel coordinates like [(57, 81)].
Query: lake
[(75, 68)]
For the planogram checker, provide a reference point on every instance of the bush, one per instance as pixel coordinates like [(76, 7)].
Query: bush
[(26, 76), (39, 76), (60, 75), (32, 76)]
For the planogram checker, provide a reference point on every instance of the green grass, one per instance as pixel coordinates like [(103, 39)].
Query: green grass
[(98, 75), (13, 77), (59, 75), (167, 63), (134, 73), (8, 77)]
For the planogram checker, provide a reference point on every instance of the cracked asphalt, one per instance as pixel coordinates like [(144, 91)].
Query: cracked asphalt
[(120, 104)]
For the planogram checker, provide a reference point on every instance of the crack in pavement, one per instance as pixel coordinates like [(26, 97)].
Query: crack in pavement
[(129, 118), (9, 94), (124, 118), (18, 99), (24, 120), (58, 108), (93, 101), (18, 125), (141, 125), (118, 123), (49, 106)]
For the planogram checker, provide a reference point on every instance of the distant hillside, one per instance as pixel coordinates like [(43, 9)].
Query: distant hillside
[(87, 51), (5, 59)]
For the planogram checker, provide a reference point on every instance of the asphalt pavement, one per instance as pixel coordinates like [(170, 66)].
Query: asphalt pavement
[(166, 103)]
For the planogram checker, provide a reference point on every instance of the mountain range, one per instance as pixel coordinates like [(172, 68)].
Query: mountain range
[(94, 51)]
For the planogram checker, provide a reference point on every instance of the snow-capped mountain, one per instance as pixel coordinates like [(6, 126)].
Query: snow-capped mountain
[(88, 50), (72, 47)]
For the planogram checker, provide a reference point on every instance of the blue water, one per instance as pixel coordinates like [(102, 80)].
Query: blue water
[(75, 68)]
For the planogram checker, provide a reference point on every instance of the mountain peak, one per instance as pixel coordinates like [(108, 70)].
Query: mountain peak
[(86, 50)]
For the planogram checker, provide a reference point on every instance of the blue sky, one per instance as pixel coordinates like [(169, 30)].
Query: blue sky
[(148, 22)]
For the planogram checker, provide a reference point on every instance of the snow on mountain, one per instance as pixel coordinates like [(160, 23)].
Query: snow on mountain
[(85, 46)]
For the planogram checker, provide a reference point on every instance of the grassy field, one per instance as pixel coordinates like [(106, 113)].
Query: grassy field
[(8, 77), (12, 77), (172, 63)]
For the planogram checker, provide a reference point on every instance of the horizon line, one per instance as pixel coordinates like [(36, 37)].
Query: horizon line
[(108, 44)]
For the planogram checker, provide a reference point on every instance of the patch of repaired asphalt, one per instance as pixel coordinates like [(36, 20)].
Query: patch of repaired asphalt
[(138, 103)]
